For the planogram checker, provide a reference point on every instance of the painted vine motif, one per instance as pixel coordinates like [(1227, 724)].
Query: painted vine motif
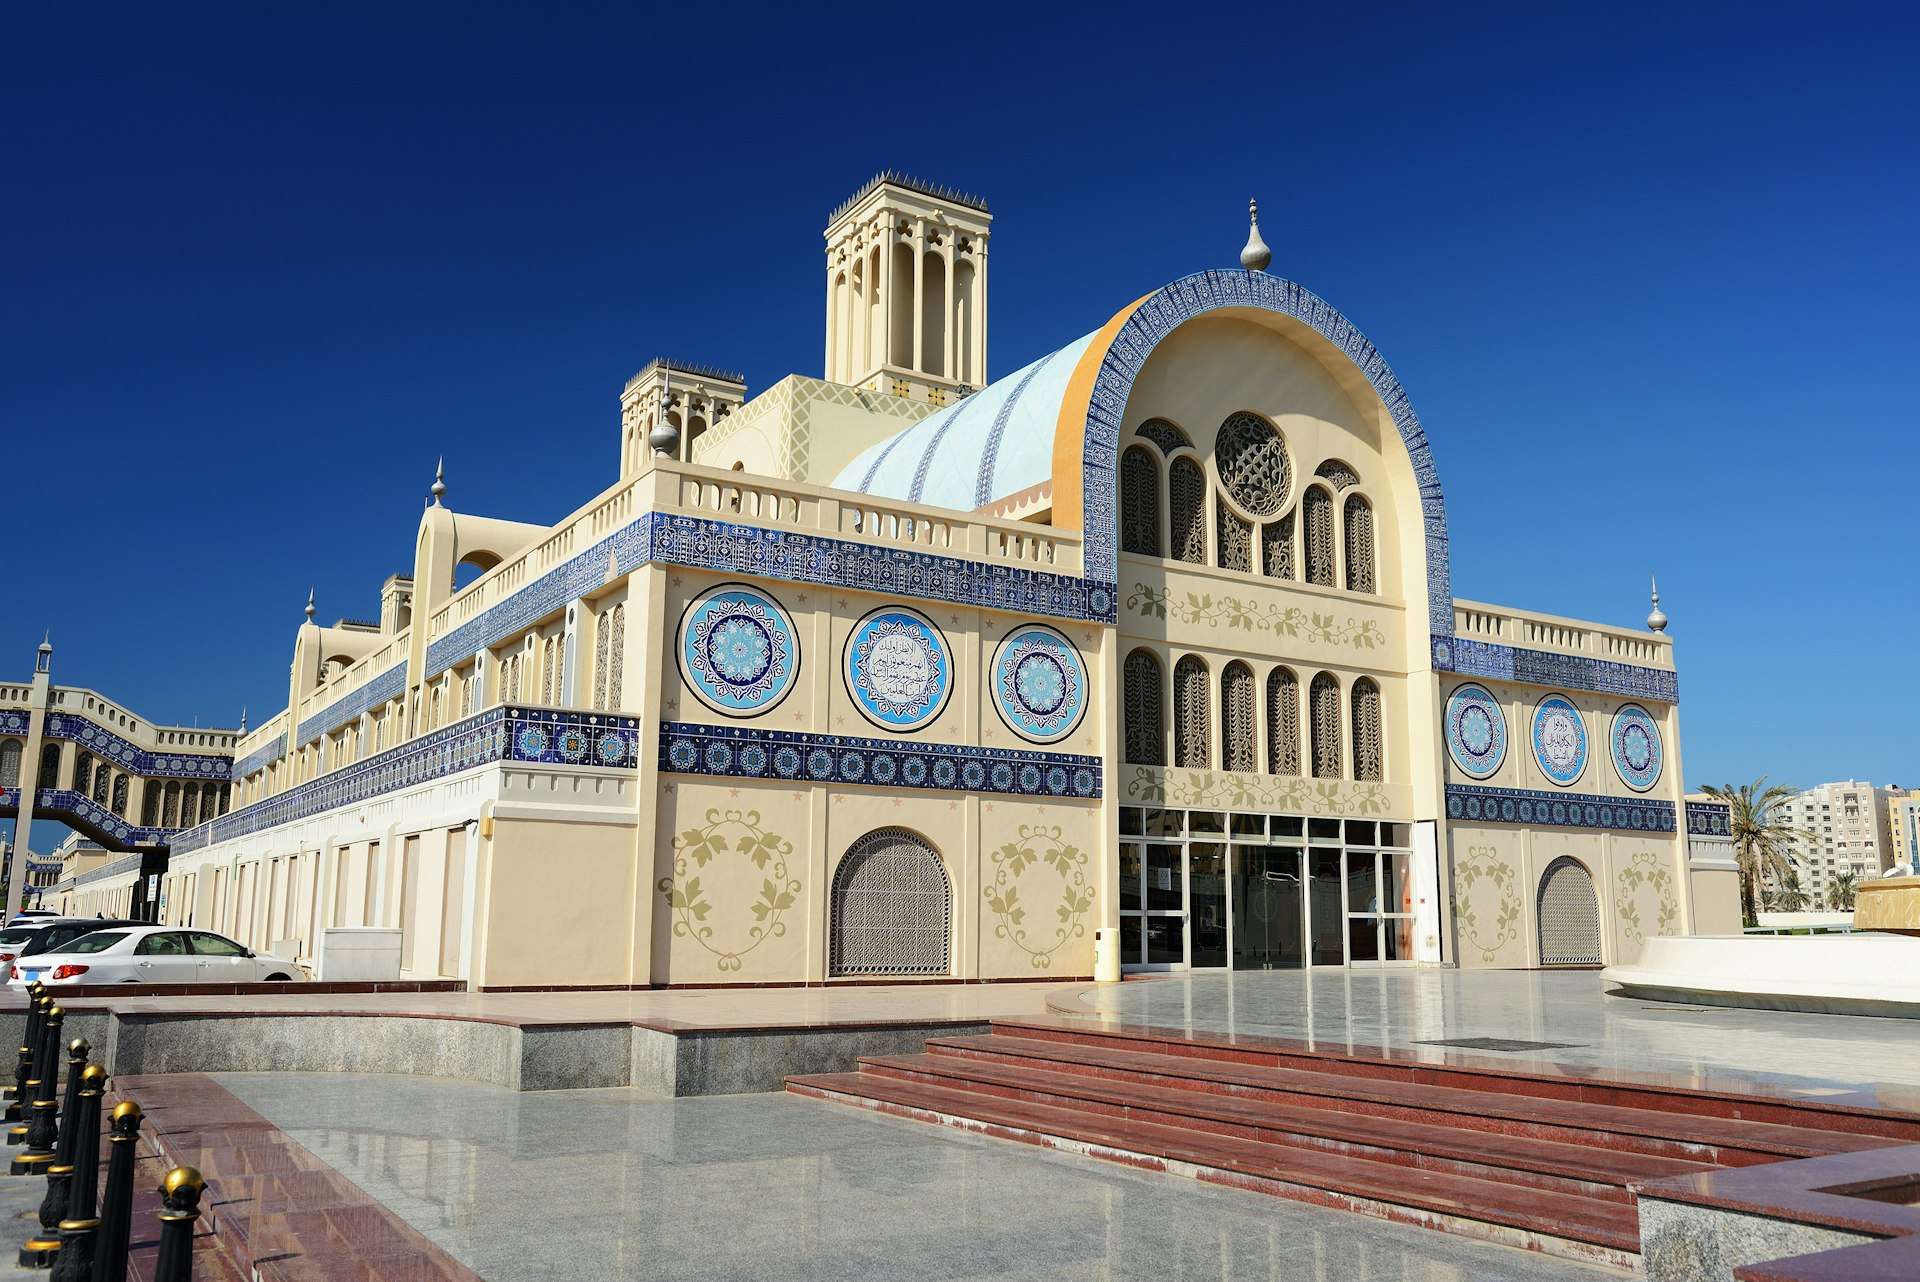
[(1483, 863), (1646, 869), (1233, 790), (1248, 616), (1039, 846), (736, 832)]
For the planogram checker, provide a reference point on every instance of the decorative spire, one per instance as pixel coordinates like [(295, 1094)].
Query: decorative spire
[(46, 642), (1657, 621), (439, 490), (665, 437), (243, 718), (1256, 255), (310, 610)]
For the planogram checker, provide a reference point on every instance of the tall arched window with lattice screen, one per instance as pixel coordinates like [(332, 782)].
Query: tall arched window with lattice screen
[(50, 766), (1140, 502), (1283, 722), (891, 908), (1326, 726), (83, 772), (10, 753), (1192, 728), (1145, 724), (1276, 548), (1232, 539), (1360, 576), (1369, 757), (102, 783), (1187, 503), (120, 795), (1316, 519), (1239, 737)]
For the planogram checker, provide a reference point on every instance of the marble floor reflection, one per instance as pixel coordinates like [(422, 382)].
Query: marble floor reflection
[(618, 1184)]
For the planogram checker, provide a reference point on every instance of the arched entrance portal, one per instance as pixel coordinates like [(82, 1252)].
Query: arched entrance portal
[(891, 911), (1569, 916)]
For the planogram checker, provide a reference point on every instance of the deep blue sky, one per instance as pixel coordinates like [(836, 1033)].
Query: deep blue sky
[(1647, 272)]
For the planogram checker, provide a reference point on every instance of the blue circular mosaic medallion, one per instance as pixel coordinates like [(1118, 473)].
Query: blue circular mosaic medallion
[(1039, 684), (1636, 747), (898, 669), (1559, 740), (1476, 731), (738, 651)]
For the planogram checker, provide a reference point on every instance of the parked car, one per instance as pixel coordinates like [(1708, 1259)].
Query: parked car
[(143, 954), (34, 915), (44, 935)]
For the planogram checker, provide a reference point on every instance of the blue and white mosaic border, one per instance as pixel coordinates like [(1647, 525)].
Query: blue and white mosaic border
[(1545, 668), (390, 684), (104, 743), (1471, 803), (1709, 819), (262, 757), (118, 868), (97, 818), (749, 752)]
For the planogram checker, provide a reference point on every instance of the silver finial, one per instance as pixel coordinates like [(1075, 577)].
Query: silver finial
[(665, 437), (1256, 255), (310, 610), (1657, 621), (439, 490), (46, 642), (243, 718)]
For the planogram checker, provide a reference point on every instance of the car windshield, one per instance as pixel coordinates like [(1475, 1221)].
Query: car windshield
[(16, 935), (98, 942)]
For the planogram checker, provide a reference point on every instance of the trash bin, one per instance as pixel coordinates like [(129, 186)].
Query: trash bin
[(1106, 954)]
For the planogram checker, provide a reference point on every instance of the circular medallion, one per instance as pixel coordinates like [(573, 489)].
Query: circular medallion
[(1636, 747), (738, 652), (1039, 685), (1559, 740), (1476, 731), (898, 669)]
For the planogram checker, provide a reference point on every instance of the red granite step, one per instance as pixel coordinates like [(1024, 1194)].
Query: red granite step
[(1581, 1169), (1645, 1131), (1559, 1223)]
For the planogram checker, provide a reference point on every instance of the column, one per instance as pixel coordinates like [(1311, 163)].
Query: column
[(919, 361), (950, 330), (887, 301)]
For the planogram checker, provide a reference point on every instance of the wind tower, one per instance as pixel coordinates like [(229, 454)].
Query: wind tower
[(907, 290)]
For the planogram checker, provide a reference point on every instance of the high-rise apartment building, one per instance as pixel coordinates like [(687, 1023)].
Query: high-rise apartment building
[(1903, 822), (1848, 831)]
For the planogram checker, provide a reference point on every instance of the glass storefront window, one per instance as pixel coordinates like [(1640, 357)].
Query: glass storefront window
[(1130, 821), (1360, 832), (1323, 830), (1165, 823), (1204, 821), (1249, 826), (1129, 876)]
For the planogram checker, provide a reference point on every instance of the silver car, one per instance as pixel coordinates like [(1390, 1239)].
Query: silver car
[(151, 955)]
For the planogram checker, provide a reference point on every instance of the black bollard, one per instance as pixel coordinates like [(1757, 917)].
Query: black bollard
[(41, 1131), (80, 1229), (182, 1191), (37, 1004), (116, 1202), (53, 1207)]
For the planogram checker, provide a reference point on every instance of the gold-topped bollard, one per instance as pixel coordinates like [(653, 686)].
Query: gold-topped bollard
[(116, 1201), (41, 1131), (37, 1003), (182, 1190), (53, 1207), (79, 1228)]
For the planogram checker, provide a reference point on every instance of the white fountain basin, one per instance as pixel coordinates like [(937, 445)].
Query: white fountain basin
[(1866, 973)]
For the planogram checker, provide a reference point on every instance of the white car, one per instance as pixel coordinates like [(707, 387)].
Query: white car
[(151, 955)]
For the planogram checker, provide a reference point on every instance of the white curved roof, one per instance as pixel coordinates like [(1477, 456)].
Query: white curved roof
[(996, 442)]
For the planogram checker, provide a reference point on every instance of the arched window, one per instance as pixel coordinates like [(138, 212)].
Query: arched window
[(1343, 477), (1283, 722), (102, 783), (1237, 748), (1252, 462), (1326, 727), (1139, 502), (1569, 915), (1192, 731), (891, 909), (549, 670), (189, 806), (1164, 434), (119, 804), (1276, 548), (1359, 545), (149, 803), (83, 773), (609, 656), (170, 812), (10, 751), (1146, 728), (1233, 538), (1187, 501), (1368, 758), (1317, 520), (466, 695)]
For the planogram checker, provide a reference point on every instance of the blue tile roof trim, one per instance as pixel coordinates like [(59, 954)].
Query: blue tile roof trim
[(102, 742), (1545, 668), (52, 802), (1709, 819), (262, 757), (751, 752), (1471, 803), (118, 868), (390, 684), (544, 736)]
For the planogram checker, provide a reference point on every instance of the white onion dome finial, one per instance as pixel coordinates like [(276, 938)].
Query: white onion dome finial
[(1657, 621), (665, 437), (310, 609), (439, 487), (46, 642), (1256, 255)]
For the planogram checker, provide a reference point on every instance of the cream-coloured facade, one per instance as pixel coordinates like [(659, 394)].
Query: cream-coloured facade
[(1903, 828), (881, 675)]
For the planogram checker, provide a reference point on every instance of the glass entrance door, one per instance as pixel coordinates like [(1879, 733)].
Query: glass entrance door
[(1326, 942), (1269, 909), (1165, 917)]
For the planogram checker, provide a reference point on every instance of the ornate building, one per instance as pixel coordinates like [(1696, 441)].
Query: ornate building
[(881, 675)]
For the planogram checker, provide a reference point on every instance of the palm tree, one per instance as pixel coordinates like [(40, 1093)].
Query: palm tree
[(1840, 893), (1761, 846), (1791, 898)]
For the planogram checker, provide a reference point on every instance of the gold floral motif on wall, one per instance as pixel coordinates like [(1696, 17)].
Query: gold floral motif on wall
[(1249, 616), (1645, 869), (1053, 875), (719, 917), (1484, 864), (1231, 790)]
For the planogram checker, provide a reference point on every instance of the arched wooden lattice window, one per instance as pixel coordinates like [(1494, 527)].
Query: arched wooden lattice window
[(1192, 728), (610, 646), (1238, 750), (189, 806), (1187, 501), (1145, 724), (1164, 434), (83, 772), (102, 783), (1283, 722), (1569, 916), (1233, 538), (1316, 518), (10, 752), (1368, 763), (1276, 548), (170, 813), (1326, 726), (1140, 502), (49, 766), (466, 695), (1360, 576), (150, 803), (891, 910), (553, 669)]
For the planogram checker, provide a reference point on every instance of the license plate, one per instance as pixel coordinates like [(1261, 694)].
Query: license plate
[(35, 974)]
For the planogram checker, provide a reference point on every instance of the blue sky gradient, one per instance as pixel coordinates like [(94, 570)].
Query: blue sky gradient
[(1647, 273)]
